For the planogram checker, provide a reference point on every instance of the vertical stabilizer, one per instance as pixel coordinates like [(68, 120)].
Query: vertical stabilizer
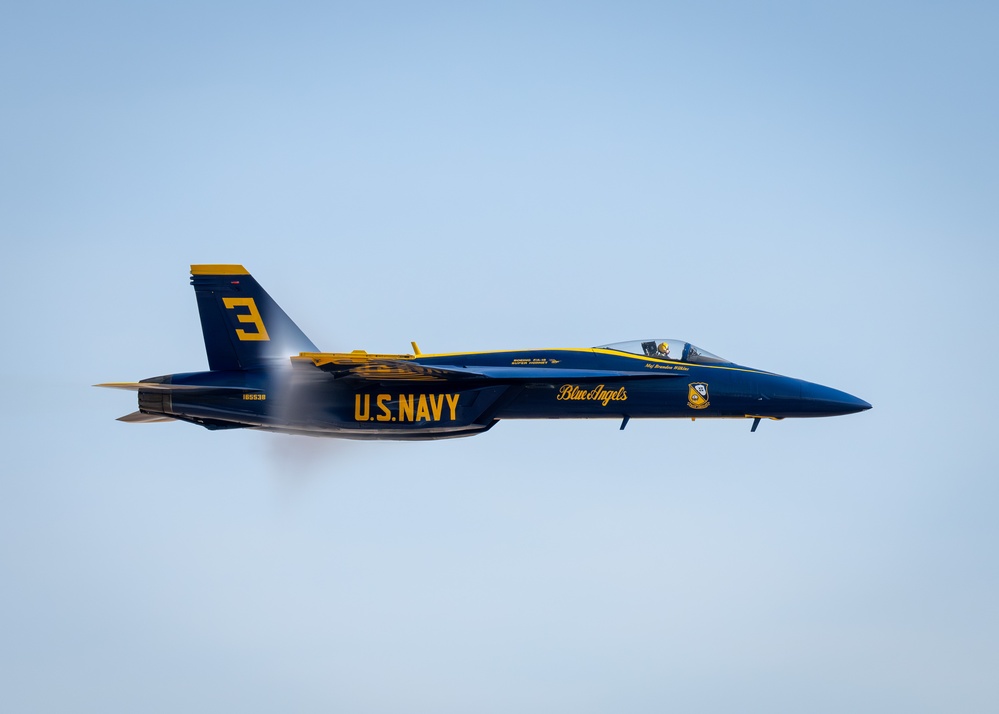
[(243, 327)]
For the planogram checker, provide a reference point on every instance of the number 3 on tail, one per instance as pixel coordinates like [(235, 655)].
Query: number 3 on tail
[(252, 316)]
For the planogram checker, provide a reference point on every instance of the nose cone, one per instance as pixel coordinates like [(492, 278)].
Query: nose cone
[(826, 401)]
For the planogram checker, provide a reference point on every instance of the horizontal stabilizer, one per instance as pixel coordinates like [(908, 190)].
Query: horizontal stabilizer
[(140, 418), (161, 387)]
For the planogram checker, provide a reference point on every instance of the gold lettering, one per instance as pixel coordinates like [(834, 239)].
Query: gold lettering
[(436, 405), (252, 316), (358, 414), (422, 413), (405, 407), (572, 392), (380, 400), (453, 404)]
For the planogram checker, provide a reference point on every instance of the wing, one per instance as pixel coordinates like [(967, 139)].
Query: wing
[(378, 369)]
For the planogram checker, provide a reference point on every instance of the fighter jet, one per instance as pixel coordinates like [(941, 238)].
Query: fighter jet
[(264, 373)]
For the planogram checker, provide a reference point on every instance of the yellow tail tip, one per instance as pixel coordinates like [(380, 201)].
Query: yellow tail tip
[(217, 269)]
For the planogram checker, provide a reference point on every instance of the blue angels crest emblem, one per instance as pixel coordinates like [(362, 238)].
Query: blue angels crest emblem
[(697, 395)]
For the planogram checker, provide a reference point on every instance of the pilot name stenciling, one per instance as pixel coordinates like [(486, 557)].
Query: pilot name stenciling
[(572, 392), (652, 365), (406, 407)]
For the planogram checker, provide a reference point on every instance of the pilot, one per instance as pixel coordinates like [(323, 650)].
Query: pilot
[(663, 351)]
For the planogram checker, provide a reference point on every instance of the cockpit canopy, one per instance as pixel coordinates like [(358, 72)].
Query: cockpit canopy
[(666, 348)]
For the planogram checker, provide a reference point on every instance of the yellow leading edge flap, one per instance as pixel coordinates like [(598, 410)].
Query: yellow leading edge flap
[(375, 367), (348, 358)]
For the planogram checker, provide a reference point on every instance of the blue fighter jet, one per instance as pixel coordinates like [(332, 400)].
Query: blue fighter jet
[(264, 373)]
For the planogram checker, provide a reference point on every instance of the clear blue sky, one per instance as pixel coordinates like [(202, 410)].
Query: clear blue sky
[(809, 189)]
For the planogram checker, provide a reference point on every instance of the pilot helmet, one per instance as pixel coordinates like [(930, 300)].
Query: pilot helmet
[(664, 348)]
